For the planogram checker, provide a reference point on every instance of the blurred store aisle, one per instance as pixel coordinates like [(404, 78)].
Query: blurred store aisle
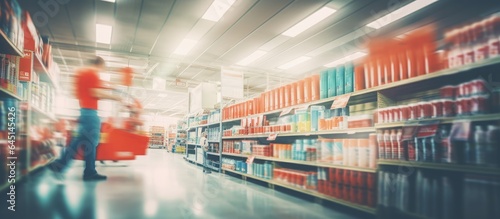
[(159, 185)]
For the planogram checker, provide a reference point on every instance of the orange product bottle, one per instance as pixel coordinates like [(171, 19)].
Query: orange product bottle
[(271, 100), (410, 57), (403, 61), (250, 107), (307, 89), (394, 66), (359, 78), (367, 73), (315, 87), (300, 91), (281, 97), (288, 89), (420, 52), (293, 93), (276, 99)]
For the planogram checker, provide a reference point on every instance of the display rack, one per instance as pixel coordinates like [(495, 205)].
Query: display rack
[(272, 183), (382, 96), (157, 137), (7, 46)]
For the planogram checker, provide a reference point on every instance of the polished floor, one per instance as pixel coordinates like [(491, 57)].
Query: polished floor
[(159, 185)]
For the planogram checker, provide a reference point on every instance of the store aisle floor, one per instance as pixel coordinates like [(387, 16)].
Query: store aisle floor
[(159, 185)]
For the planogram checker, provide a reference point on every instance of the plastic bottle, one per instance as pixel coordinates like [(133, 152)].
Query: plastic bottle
[(468, 39), (349, 78), (401, 151), (394, 145), (388, 145), (381, 145), (340, 80), (481, 43), (492, 143), (323, 85), (480, 139), (332, 86), (372, 150), (493, 26)]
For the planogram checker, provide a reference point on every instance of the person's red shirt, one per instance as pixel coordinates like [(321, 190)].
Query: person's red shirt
[(87, 79)]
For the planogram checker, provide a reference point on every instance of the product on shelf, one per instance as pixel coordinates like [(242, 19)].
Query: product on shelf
[(9, 73), (352, 186), (10, 22), (469, 98), (301, 179), (473, 43)]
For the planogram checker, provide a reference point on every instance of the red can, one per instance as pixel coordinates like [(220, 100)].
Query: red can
[(404, 113), (478, 86), (370, 180), (396, 114), (463, 106), (370, 198), (362, 180), (437, 108), (353, 179), (331, 175), (333, 189), (465, 89), (448, 108), (339, 174), (414, 109), (346, 193), (425, 110), (346, 177), (448, 92), (339, 191), (479, 104), (353, 196)]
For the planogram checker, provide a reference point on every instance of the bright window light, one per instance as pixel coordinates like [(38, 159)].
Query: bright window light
[(217, 10), (252, 57), (294, 62), (103, 33), (400, 13), (310, 21), (185, 46), (113, 1), (348, 58)]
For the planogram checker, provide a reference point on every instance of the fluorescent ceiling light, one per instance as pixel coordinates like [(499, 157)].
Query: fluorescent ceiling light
[(252, 57), (348, 58), (217, 10), (185, 46), (310, 21), (113, 1), (294, 62), (103, 33), (400, 13)]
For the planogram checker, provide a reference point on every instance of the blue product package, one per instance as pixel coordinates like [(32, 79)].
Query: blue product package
[(243, 167), (315, 117), (323, 84), (340, 80), (349, 78), (331, 82), (345, 111)]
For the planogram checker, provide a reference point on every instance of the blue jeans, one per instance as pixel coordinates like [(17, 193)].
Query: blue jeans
[(89, 131)]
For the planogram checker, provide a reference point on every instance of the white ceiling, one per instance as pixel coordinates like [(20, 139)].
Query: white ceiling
[(146, 32)]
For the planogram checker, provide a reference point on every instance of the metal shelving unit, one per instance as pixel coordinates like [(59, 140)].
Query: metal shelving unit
[(7, 46), (307, 192), (444, 120), (297, 134), (442, 166), (307, 163)]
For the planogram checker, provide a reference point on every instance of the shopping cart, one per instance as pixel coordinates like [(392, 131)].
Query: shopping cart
[(120, 139)]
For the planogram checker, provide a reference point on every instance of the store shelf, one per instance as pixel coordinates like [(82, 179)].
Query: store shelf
[(371, 93), (212, 124), (10, 94), (291, 134), (213, 168), (7, 47), (197, 126), (308, 192), (213, 141), (442, 166), (444, 120), (307, 163), (212, 153), (43, 72), (43, 113)]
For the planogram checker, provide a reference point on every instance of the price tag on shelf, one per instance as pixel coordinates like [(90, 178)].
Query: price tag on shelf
[(286, 111), (340, 101), (272, 136), (250, 159)]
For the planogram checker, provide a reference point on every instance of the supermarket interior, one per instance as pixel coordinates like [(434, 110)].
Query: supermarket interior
[(250, 109)]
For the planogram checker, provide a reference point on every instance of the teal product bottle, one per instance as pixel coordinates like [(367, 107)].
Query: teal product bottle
[(349, 78), (340, 80), (315, 116), (323, 84), (331, 82)]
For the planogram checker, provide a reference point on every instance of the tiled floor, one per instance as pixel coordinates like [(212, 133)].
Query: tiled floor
[(159, 185)]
